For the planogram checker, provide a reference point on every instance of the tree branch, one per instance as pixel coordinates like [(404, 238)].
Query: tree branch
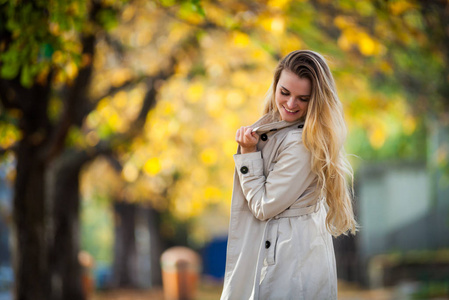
[(114, 90), (149, 101), (77, 102)]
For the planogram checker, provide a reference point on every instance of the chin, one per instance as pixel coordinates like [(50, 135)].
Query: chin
[(291, 118)]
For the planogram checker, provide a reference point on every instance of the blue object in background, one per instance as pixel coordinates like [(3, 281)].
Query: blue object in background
[(103, 276), (6, 194), (6, 282), (214, 258)]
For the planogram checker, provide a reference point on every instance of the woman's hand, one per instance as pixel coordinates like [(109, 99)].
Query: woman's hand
[(247, 139)]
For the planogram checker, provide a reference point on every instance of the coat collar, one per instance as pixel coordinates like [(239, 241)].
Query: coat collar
[(269, 122)]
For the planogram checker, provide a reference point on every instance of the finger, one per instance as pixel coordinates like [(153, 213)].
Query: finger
[(238, 137), (249, 135)]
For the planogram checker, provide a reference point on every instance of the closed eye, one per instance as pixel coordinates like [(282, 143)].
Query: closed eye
[(286, 92)]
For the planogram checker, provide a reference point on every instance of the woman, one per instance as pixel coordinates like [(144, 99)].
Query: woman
[(290, 190)]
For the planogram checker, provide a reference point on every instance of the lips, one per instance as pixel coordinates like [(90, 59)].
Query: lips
[(290, 111)]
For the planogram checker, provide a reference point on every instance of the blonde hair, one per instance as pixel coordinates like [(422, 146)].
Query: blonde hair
[(324, 135)]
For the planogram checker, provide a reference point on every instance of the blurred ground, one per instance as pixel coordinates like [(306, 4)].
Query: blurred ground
[(212, 292)]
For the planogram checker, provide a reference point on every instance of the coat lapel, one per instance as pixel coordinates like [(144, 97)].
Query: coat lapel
[(269, 122)]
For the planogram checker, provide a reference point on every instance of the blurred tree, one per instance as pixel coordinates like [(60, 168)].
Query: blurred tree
[(157, 166), (401, 49), (30, 35), (47, 67), (46, 61)]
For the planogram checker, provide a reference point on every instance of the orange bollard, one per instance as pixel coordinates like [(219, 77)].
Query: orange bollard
[(87, 279), (180, 273)]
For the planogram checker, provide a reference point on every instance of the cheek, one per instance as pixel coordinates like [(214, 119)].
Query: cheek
[(278, 99), (304, 105)]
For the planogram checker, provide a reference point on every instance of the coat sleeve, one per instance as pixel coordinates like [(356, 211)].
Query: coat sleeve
[(291, 176)]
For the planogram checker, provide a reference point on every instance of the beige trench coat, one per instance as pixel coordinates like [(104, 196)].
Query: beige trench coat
[(278, 246)]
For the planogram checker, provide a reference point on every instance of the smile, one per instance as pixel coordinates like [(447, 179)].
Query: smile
[(290, 111)]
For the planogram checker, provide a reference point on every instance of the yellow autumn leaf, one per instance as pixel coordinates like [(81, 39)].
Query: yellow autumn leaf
[(211, 192), (343, 22), (230, 148), (71, 70), (116, 122), (197, 206), (9, 134), (377, 137), (166, 108), (258, 54), (209, 156), (367, 45), (194, 92), (57, 57), (152, 166), (400, 6), (291, 43), (344, 43), (279, 4), (240, 39)]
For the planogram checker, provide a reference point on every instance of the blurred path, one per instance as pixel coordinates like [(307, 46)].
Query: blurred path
[(347, 291), (351, 291), (206, 292)]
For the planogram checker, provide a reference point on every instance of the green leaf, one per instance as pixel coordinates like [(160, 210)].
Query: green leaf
[(45, 51), (107, 18), (198, 8), (9, 71), (26, 78)]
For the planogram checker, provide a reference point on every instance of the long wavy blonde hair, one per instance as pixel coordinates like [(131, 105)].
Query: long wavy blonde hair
[(324, 134)]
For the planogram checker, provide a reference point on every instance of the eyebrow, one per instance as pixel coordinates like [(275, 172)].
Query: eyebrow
[(289, 91)]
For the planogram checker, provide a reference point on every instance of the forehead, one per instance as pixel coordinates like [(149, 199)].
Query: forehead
[(294, 84)]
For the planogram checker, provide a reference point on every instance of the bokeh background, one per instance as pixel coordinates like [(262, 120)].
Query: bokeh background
[(117, 126)]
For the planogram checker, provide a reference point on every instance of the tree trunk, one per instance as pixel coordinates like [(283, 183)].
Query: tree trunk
[(29, 244), (64, 204), (157, 246), (29, 253), (125, 257)]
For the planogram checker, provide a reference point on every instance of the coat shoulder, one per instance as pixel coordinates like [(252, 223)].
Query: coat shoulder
[(291, 141), (292, 136)]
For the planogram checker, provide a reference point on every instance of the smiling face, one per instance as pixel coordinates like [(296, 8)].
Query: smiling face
[(292, 96)]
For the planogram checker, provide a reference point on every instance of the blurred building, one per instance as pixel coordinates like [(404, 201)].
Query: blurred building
[(403, 210)]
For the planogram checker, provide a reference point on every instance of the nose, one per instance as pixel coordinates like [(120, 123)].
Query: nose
[(291, 102)]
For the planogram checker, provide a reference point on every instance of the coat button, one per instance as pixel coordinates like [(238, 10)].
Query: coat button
[(264, 137), (267, 244), (301, 126), (244, 169)]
